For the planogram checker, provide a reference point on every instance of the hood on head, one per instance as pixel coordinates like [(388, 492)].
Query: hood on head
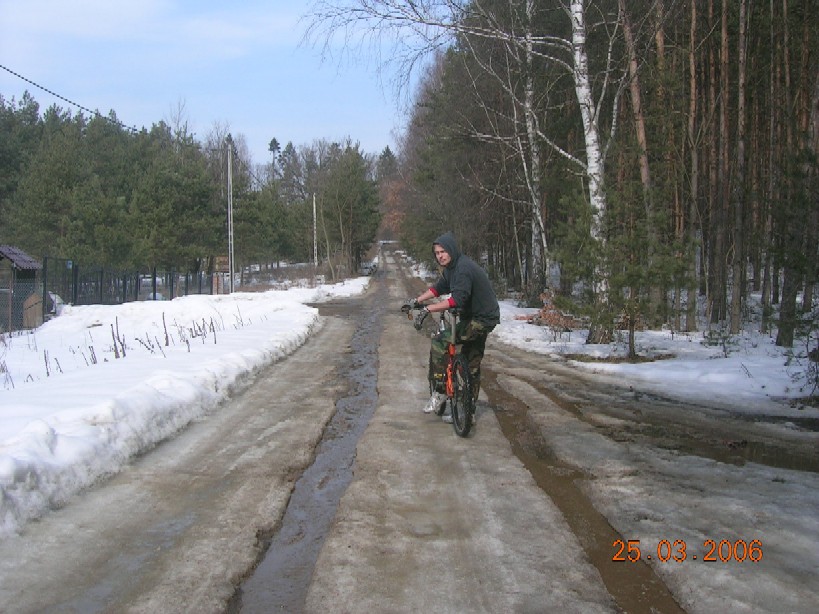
[(448, 242)]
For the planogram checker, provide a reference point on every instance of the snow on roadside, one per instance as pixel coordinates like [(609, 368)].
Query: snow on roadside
[(74, 409)]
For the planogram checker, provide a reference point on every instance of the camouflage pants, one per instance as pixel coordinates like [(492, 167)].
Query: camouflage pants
[(472, 335)]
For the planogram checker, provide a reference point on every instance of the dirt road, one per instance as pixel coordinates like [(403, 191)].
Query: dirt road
[(404, 516), (436, 523)]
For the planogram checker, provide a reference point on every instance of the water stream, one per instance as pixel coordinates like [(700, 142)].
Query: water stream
[(280, 581)]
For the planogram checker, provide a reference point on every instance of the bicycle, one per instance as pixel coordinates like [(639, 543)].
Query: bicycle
[(457, 379)]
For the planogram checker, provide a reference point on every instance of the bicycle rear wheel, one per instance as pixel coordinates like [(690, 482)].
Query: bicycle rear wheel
[(463, 405)]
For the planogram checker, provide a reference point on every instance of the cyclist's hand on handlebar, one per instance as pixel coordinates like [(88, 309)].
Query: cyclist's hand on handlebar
[(409, 305), (419, 319)]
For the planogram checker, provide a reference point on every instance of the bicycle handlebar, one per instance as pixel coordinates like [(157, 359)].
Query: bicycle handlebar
[(419, 307), (423, 312)]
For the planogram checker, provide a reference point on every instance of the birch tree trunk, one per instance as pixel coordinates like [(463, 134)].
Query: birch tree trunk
[(521, 268), (598, 333), (541, 263), (588, 114)]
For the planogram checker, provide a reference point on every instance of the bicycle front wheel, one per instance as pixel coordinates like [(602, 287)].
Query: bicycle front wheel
[(432, 389), (463, 405)]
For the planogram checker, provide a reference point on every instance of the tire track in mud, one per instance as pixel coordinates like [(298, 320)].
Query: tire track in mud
[(635, 587), (282, 576), (687, 427), (716, 433)]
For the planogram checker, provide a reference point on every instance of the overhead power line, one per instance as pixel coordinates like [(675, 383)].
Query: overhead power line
[(71, 102), (117, 122)]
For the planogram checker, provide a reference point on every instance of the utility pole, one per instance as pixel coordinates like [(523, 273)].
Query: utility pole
[(229, 143), (315, 240)]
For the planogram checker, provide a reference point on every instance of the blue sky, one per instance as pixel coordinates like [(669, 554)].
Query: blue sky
[(244, 65)]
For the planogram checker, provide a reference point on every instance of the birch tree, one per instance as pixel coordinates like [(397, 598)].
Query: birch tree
[(520, 111), (416, 29)]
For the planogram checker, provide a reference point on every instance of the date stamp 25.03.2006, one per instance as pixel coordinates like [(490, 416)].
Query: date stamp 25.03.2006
[(713, 551)]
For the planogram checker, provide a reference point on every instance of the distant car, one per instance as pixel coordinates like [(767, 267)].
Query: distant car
[(368, 268)]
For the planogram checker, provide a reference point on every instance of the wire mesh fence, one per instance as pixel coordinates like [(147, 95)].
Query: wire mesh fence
[(28, 301), (31, 297), (20, 305), (99, 286)]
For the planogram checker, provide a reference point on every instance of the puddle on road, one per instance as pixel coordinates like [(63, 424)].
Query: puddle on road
[(280, 581), (729, 450), (634, 586)]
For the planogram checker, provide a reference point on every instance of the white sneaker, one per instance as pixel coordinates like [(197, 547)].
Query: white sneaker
[(447, 417), (435, 401)]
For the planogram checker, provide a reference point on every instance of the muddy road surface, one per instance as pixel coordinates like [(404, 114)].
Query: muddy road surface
[(322, 487)]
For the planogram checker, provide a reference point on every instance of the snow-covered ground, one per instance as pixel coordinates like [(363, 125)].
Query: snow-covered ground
[(88, 390), (85, 392), (749, 371)]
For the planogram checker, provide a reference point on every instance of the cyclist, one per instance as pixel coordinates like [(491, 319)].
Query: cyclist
[(470, 291)]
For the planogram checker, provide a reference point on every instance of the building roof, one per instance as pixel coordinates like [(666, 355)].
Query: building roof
[(19, 258)]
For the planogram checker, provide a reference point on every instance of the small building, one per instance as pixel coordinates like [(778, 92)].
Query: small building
[(21, 305)]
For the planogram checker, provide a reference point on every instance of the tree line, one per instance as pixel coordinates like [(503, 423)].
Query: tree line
[(101, 194), (648, 160)]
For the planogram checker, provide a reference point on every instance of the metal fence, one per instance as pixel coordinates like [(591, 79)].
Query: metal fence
[(26, 304), (99, 286)]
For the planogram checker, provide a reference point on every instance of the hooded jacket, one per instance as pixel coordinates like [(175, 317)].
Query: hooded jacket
[(468, 284)]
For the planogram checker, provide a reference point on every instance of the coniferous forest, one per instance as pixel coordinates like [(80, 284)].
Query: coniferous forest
[(651, 162), (94, 191)]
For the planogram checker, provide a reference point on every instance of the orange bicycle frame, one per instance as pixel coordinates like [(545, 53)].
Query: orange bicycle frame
[(450, 388)]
